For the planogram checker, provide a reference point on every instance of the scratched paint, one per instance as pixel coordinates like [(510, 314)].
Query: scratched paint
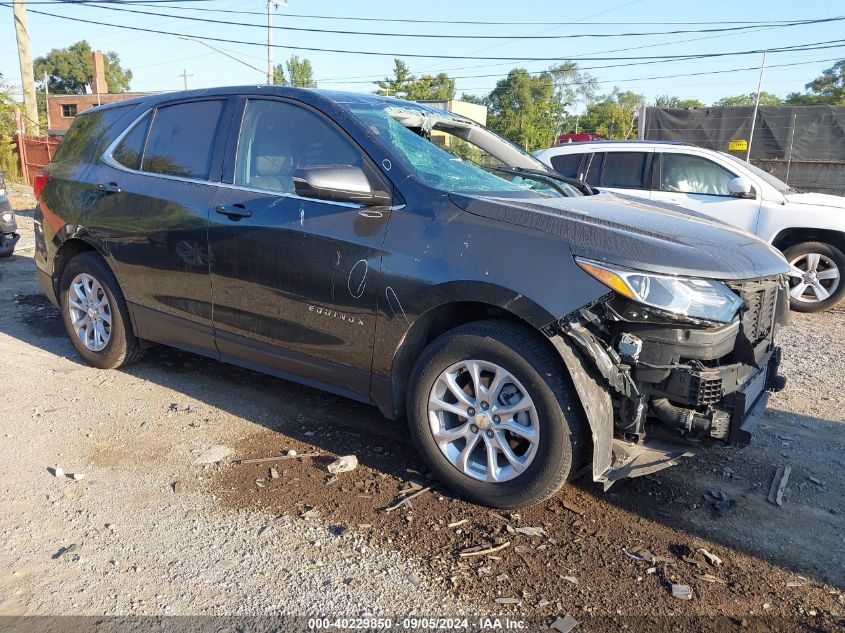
[(357, 280)]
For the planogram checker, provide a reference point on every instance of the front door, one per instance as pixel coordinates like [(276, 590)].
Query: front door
[(699, 184), (295, 280)]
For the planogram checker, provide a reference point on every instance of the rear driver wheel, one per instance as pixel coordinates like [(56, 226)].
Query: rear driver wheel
[(491, 411), (95, 315)]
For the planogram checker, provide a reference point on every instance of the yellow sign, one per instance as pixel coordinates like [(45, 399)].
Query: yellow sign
[(738, 145)]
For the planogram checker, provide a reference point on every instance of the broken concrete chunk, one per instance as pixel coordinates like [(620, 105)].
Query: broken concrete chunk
[(571, 579), (274, 474), (213, 455), (508, 601), (710, 578), (711, 558), (65, 550), (530, 531), (76, 476), (779, 485), (682, 592), (572, 507), (343, 464), (57, 472), (564, 624)]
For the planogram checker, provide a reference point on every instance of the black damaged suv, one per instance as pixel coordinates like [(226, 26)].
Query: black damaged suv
[(408, 257)]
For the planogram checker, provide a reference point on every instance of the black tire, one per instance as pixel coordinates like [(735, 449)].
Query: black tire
[(831, 253), (520, 351), (123, 346)]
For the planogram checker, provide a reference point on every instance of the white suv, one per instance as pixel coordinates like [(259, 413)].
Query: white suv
[(809, 228)]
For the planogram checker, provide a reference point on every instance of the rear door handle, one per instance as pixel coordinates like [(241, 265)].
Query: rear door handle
[(109, 187), (233, 211)]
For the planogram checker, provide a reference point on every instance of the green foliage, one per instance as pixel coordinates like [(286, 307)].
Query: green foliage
[(828, 89), (470, 98), (8, 158), (398, 85), (572, 85), (71, 71), (526, 109), (665, 101), (432, 88), (766, 99), (614, 116), (279, 75), (301, 73)]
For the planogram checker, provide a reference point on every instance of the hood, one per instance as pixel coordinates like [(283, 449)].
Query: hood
[(816, 199), (632, 233)]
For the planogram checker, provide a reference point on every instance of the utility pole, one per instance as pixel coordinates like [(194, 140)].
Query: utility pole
[(756, 107), (47, 99), (30, 105), (271, 6), (185, 76)]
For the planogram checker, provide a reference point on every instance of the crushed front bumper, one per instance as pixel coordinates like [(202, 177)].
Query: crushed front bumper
[(7, 243)]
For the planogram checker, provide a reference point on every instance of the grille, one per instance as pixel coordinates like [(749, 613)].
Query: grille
[(754, 388), (758, 318), (705, 390)]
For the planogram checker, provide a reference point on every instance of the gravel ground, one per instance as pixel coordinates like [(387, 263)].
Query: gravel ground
[(151, 531)]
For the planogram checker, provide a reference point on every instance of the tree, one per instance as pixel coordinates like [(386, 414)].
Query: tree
[(766, 99), (525, 109), (71, 71), (428, 88), (613, 116), (827, 89), (572, 85), (300, 72), (8, 159), (279, 75), (665, 101), (399, 84), (471, 98)]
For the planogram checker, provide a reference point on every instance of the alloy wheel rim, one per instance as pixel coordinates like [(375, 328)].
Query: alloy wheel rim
[(90, 312), (815, 278), (483, 421)]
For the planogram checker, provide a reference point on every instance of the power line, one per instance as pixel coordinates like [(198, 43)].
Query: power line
[(100, 4), (802, 47), (418, 21)]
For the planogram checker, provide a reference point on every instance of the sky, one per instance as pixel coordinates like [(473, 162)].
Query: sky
[(158, 61)]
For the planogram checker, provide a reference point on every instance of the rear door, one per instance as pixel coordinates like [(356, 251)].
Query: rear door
[(295, 280), (148, 205), (626, 172), (698, 183)]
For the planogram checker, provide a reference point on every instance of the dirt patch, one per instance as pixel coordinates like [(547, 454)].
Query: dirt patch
[(41, 316)]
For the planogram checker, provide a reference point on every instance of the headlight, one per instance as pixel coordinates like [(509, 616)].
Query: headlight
[(684, 296)]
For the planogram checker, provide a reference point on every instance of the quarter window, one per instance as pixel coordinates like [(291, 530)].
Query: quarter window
[(181, 139), (691, 174), (624, 170), (594, 172), (278, 138), (130, 150)]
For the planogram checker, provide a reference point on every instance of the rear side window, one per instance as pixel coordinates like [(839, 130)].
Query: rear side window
[(567, 164), (624, 169), (85, 131), (130, 150), (181, 139)]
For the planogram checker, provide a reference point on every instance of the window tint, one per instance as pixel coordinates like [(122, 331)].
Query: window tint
[(182, 138), (594, 173), (277, 139), (128, 153), (567, 164), (624, 169), (691, 174), (85, 130)]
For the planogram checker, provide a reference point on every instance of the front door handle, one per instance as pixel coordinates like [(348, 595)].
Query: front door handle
[(233, 211), (108, 187)]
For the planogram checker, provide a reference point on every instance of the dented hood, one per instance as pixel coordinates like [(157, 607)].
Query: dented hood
[(637, 234)]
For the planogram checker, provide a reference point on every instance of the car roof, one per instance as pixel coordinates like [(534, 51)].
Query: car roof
[(619, 142), (302, 94)]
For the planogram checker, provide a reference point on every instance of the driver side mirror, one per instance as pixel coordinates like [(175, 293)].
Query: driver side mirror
[(741, 188), (338, 183)]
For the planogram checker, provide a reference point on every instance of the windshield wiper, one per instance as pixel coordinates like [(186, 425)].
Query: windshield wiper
[(549, 177)]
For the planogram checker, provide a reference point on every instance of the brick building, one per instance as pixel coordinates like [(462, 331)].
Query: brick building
[(61, 109)]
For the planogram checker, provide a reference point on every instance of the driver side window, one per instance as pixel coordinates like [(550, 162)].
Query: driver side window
[(278, 138), (682, 173)]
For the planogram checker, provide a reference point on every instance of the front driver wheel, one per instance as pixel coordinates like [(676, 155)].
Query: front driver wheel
[(816, 283), (95, 315), (491, 411)]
